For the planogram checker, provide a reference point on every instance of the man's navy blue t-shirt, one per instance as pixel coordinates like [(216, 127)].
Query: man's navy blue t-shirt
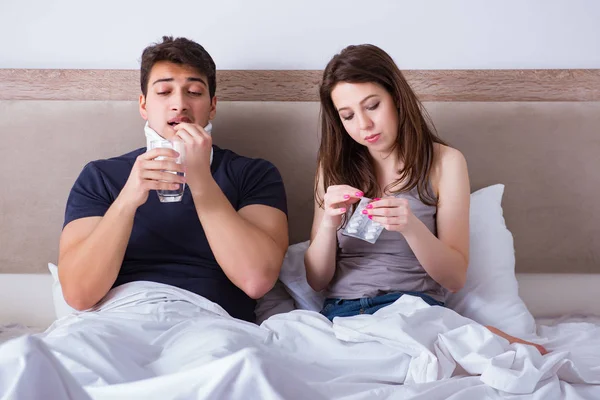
[(167, 242)]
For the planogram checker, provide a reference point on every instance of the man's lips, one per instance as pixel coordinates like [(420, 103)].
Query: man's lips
[(178, 120)]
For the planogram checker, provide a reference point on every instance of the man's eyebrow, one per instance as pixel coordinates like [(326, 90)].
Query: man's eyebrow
[(196, 79), (163, 80), (189, 79)]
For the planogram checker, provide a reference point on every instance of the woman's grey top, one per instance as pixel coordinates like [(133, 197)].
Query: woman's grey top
[(389, 265)]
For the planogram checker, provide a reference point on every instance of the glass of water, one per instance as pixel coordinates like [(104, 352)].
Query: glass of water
[(170, 196)]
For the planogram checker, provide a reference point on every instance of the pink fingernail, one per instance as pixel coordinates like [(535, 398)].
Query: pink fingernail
[(342, 209), (370, 217), (369, 205), (376, 199), (365, 212), (346, 196), (359, 194)]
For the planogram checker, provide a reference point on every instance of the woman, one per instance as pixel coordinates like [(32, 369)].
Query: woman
[(378, 142)]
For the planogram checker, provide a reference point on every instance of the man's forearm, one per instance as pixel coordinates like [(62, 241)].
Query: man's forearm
[(88, 270), (250, 258)]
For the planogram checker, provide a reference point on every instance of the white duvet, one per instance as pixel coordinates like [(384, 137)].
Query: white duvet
[(11, 331), (153, 341)]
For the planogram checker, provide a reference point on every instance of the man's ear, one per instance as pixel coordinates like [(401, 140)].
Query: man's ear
[(143, 111), (213, 108)]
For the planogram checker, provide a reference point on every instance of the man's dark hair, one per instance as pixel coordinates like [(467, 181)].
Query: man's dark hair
[(180, 51)]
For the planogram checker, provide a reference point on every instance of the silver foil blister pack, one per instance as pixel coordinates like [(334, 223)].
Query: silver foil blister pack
[(360, 226)]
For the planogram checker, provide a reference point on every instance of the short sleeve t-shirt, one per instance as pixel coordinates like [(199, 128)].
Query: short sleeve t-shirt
[(167, 242)]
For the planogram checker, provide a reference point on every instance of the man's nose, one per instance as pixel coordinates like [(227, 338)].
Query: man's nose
[(178, 102)]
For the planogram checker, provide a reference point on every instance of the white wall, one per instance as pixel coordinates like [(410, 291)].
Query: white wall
[(304, 34)]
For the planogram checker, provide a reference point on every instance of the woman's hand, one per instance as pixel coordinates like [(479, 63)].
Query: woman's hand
[(336, 201), (392, 213)]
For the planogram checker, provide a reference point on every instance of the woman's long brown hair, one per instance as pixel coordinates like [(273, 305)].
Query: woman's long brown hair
[(342, 161)]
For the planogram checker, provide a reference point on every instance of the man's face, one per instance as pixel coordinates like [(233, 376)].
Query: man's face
[(176, 93)]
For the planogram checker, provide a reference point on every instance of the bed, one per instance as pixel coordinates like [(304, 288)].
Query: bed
[(531, 140)]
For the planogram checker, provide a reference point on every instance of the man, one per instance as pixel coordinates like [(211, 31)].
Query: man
[(227, 237)]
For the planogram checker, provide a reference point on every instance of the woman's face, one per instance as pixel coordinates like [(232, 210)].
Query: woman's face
[(369, 114)]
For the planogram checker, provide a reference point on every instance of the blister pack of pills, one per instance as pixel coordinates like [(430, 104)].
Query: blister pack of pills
[(360, 226)]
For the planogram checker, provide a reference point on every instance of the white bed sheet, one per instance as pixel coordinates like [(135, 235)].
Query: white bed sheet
[(152, 341)]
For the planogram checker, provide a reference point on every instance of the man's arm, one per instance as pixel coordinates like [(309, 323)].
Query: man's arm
[(91, 249), (249, 245), (90, 255)]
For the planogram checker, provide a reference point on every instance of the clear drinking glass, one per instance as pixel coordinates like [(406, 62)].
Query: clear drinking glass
[(170, 196)]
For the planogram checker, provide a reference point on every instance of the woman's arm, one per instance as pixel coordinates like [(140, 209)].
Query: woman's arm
[(319, 259), (445, 257)]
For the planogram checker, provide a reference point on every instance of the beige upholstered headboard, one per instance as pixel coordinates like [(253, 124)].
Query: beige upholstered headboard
[(538, 132)]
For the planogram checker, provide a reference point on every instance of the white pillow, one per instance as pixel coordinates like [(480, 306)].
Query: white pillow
[(61, 308), (293, 276), (490, 295)]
